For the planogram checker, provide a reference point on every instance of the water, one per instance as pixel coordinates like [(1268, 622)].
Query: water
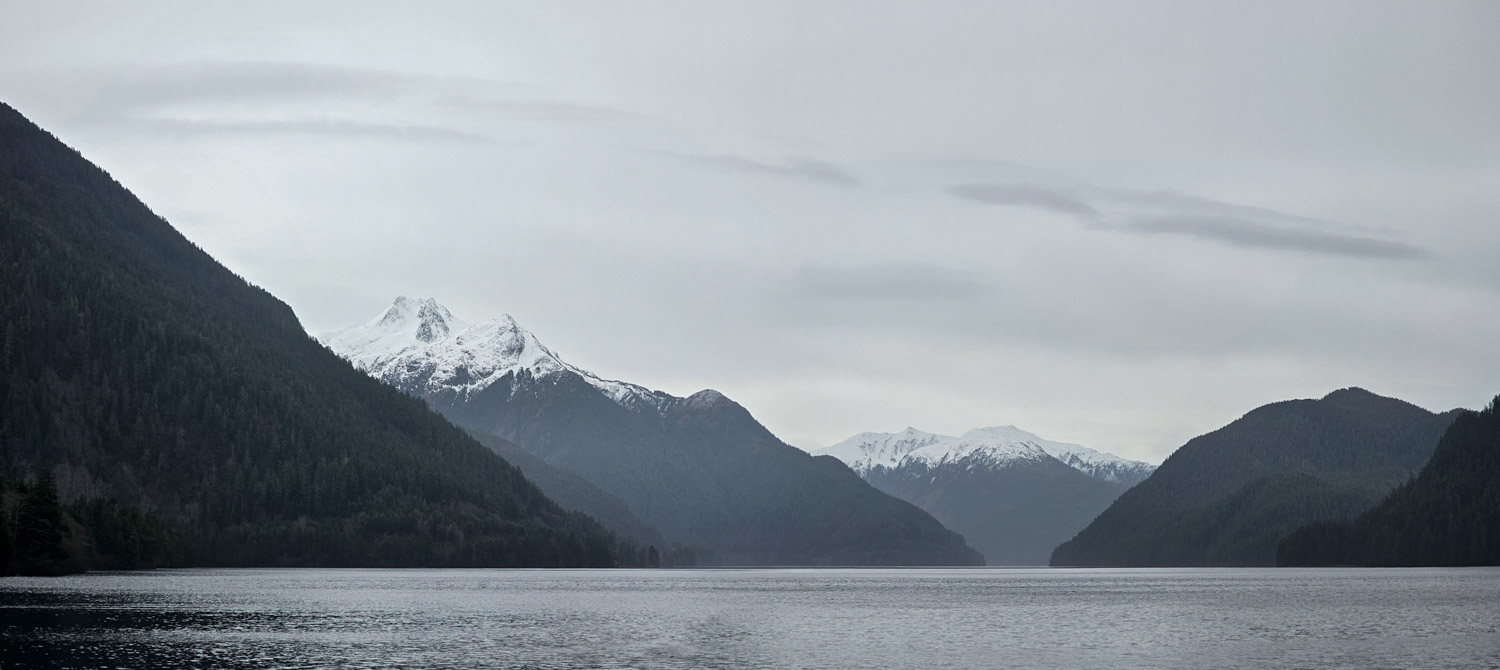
[(983, 618)]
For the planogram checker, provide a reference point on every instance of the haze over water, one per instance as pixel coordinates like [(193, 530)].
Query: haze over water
[(834, 618)]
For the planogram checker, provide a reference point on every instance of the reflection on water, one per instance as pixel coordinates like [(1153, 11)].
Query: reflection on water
[(992, 618)]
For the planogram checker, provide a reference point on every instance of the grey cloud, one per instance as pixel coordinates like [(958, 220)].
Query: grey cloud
[(1242, 233), (325, 127), (1027, 195), (815, 171), (887, 282), (1185, 202), (145, 93), (251, 81), (824, 172), (1193, 216)]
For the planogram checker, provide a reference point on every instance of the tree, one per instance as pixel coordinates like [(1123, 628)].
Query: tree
[(39, 529), (7, 542)]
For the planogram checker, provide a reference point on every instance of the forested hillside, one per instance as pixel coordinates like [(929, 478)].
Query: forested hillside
[(1227, 498), (1448, 515), (575, 493), (155, 386)]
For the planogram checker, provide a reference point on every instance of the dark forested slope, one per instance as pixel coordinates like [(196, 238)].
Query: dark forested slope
[(146, 377), (707, 474), (575, 493), (1228, 497), (1448, 515)]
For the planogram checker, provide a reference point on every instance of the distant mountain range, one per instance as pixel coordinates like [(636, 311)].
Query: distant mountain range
[(156, 409), (699, 469), (1229, 497), (1014, 496)]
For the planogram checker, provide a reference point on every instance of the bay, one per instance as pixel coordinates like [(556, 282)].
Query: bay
[(776, 618)]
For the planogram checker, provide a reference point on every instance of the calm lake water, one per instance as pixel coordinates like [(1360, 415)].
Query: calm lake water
[(981, 618)]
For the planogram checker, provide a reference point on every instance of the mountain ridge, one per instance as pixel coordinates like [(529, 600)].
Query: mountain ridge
[(699, 468), (1015, 496), (420, 339), (1226, 498), (999, 444), (1447, 515)]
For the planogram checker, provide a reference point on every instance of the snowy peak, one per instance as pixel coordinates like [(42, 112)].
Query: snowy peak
[(1001, 433), (987, 446), (407, 323), (424, 319), (997, 446), (419, 346), (865, 451)]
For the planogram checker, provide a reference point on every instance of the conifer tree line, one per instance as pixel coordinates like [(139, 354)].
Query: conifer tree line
[(41, 536), (1447, 515)]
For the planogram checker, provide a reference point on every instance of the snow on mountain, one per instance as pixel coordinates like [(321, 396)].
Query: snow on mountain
[(418, 346), (995, 447), (865, 451), (407, 323)]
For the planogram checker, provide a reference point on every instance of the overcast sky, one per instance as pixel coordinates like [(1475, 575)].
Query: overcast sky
[(1118, 224)]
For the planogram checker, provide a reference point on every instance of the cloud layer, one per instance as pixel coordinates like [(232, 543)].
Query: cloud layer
[(1190, 216)]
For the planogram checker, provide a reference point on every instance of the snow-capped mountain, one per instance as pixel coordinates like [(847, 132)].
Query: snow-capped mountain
[(995, 446), (1014, 496), (699, 469), (418, 346)]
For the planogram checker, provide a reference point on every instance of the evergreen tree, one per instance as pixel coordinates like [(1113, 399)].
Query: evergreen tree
[(39, 529), (7, 540)]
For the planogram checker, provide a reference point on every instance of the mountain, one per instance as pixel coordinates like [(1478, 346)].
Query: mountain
[(576, 493), (998, 445), (1014, 496), (148, 388), (1228, 497), (1448, 515), (700, 469), (418, 346)]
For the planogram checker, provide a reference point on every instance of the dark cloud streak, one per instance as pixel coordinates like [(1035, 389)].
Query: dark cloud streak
[(1027, 195), (1193, 216), (1242, 233)]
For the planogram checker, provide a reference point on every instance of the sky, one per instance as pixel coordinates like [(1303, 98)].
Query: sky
[(1121, 224)]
